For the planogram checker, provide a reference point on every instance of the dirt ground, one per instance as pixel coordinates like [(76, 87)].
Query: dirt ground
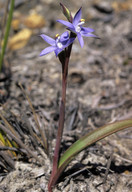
[(99, 91)]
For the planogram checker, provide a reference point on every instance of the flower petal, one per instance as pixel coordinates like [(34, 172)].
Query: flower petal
[(72, 29), (89, 35), (86, 30), (57, 51), (48, 39), (64, 36), (68, 42), (66, 23), (47, 50), (77, 17), (80, 39), (65, 44)]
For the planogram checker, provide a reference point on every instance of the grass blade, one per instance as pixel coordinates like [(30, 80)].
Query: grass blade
[(36, 119), (10, 163), (7, 30), (9, 126), (27, 151)]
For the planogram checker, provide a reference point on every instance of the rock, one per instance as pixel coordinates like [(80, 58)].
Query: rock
[(104, 7), (129, 36)]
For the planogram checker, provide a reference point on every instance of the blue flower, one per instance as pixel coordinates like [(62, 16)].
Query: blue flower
[(76, 27), (57, 44)]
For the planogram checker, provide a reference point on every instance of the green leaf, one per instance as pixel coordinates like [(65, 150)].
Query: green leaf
[(87, 140), (91, 138)]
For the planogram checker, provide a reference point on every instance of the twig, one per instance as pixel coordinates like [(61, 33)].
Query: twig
[(8, 160), (108, 167), (3, 148)]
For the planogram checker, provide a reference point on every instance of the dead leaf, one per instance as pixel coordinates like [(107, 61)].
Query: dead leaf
[(15, 24), (34, 20), (19, 40), (122, 6)]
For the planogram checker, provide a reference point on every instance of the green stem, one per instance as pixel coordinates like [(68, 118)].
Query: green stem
[(7, 30)]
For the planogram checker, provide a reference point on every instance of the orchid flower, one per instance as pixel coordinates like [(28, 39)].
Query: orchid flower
[(58, 44), (76, 27)]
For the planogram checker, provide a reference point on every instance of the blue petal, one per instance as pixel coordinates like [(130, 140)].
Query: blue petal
[(89, 35), (68, 42), (57, 51), (72, 29), (86, 30), (80, 39), (71, 40), (77, 17), (64, 36), (66, 23), (47, 50), (48, 39)]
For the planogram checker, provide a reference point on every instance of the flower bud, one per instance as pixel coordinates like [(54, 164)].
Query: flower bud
[(66, 12)]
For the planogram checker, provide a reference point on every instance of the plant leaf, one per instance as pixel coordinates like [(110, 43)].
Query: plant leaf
[(91, 138), (87, 140)]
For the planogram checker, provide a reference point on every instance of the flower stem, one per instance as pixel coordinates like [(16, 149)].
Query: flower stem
[(64, 59)]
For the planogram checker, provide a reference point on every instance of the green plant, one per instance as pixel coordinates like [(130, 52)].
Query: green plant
[(62, 46)]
